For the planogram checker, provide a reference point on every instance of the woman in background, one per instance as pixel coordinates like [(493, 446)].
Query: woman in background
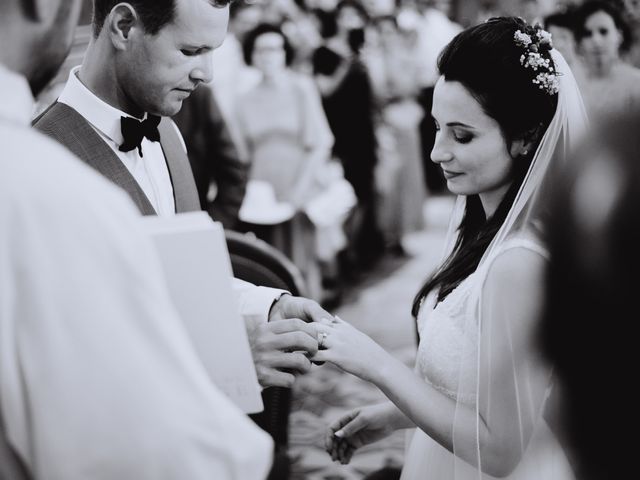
[(609, 85), (394, 72), (285, 133)]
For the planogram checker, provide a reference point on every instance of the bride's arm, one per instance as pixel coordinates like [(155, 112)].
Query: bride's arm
[(512, 296)]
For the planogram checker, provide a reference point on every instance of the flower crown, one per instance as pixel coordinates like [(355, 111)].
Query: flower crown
[(537, 41)]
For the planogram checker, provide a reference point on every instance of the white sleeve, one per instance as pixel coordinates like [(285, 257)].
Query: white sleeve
[(97, 375), (255, 302)]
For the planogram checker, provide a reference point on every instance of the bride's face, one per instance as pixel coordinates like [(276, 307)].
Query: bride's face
[(469, 146)]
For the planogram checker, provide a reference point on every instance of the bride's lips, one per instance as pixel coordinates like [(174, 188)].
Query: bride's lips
[(449, 175)]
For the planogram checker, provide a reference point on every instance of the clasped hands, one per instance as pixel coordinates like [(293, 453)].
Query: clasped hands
[(283, 347), (298, 332)]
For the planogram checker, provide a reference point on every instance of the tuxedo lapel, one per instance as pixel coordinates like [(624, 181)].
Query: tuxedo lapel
[(67, 126), (71, 129), (185, 192)]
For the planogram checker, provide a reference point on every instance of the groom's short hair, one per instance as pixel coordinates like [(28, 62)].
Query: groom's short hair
[(154, 14)]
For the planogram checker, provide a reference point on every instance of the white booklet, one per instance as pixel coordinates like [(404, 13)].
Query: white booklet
[(195, 259)]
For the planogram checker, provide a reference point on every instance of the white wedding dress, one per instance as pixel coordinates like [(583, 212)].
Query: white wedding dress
[(447, 358)]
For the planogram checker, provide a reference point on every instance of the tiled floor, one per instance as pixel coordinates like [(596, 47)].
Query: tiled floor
[(380, 306)]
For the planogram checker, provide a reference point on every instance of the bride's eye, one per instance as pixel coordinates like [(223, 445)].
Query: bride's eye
[(462, 137)]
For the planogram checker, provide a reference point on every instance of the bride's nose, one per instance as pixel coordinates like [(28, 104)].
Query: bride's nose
[(440, 153)]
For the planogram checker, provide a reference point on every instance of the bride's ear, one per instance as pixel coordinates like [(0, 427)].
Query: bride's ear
[(525, 143)]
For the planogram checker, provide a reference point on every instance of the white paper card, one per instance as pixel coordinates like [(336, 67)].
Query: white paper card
[(195, 259)]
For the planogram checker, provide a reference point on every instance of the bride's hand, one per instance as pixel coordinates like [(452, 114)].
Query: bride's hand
[(349, 348), (358, 428)]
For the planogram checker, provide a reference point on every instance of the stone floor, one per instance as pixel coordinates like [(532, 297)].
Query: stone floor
[(380, 306)]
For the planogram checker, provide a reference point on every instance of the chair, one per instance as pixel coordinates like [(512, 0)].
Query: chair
[(256, 261)]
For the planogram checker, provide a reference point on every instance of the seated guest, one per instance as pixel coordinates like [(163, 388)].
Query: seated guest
[(143, 61), (97, 376)]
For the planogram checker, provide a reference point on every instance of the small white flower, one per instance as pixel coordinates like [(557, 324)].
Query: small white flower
[(535, 61), (544, 36), (547, 82), (522, 39)]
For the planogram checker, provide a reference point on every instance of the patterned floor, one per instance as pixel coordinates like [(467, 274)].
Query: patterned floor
[(380, 307)]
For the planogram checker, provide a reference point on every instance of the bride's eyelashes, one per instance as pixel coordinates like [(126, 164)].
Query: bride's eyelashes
[(462, 137), (459, 136)]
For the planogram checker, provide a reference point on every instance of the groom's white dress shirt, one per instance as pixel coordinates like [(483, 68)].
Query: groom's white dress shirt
[(98, 379), (150, 170), (152, 174)]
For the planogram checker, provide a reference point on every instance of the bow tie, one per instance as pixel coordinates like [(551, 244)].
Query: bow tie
[(133, 131)]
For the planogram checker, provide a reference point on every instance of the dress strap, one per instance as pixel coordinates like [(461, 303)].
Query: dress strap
[(523, 242)]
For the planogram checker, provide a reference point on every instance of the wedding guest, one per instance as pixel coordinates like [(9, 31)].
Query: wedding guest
[(281, 119), (609, 85), (347, 99), (232, 75), (594, 232), (97, 376), (435, 31), (144, 59), (632, 13), (561, 26), (507, 108), (287, 140), (393, 69)]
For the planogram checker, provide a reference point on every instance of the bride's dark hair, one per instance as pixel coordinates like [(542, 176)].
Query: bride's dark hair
[(485, 59)]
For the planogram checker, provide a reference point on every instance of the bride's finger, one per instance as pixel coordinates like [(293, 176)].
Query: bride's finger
[(326, 321), (339, 321), (324, 327)]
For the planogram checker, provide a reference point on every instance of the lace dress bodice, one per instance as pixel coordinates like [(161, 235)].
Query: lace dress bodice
[(447, 359), (443, 341), (447, 335)]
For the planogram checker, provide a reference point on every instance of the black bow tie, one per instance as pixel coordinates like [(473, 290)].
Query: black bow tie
[(133, 131)]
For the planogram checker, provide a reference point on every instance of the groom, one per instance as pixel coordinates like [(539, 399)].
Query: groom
[(145, 58)]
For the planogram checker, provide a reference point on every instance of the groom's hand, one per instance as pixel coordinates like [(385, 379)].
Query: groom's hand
[(280, 349), (288, 306)]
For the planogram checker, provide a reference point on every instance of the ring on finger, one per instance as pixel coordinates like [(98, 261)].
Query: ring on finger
[(322, 336)]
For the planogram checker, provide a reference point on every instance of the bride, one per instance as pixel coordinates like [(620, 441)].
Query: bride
[(507, 110)]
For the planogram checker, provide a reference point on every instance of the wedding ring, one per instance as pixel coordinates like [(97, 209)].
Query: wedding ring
[(321, 338)]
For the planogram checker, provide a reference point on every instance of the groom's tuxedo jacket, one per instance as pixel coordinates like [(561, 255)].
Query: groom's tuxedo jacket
[(64, 124)]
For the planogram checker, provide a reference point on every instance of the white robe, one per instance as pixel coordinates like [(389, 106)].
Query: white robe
[(97, 377)]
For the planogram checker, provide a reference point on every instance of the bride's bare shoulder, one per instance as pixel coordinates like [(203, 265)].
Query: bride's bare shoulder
[(516, 277)]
